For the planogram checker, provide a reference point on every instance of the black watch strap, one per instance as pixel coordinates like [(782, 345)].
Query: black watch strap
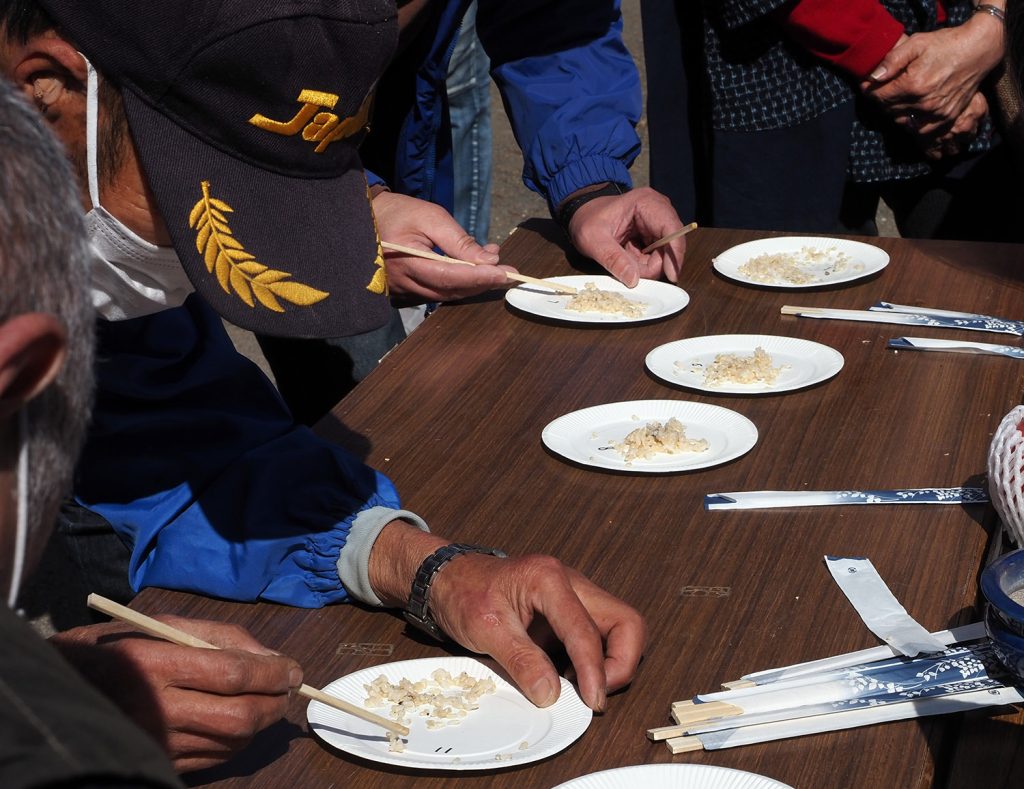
[(569, 208), (417, 610)]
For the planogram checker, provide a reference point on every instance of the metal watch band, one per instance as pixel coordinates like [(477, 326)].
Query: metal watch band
[(417, 610), (570, 207)]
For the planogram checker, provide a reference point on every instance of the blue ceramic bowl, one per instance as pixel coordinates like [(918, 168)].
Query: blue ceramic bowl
[(1004, 617), (1008, 646)]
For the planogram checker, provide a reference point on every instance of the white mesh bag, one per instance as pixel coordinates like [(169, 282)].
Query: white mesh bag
[(1006, 473)]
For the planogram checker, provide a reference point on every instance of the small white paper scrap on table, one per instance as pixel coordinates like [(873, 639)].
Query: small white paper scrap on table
[(879, 608)]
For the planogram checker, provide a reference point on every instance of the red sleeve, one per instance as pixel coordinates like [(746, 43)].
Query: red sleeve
[(853, 35)]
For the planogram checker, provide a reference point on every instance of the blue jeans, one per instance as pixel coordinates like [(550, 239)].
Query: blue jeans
[(469, 107)]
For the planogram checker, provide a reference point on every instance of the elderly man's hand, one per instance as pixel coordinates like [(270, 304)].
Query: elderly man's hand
[(487, 604), (201, 705), (613, 230), (416, 223)]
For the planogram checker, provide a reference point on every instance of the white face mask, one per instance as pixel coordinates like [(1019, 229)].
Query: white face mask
[(21, 528), (130, 276)]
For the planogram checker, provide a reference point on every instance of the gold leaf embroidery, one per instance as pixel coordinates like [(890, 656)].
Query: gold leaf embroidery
[(379, 283), (236, 269)]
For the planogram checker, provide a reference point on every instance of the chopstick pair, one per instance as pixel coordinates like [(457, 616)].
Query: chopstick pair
[(844, 691), (902, 314), (428, 255), (768, 499), (157, 628)]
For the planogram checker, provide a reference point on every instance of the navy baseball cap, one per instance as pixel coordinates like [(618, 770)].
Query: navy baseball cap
[(246, 115)]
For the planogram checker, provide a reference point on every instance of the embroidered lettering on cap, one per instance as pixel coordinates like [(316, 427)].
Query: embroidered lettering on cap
[(236, 269), (315, 123)]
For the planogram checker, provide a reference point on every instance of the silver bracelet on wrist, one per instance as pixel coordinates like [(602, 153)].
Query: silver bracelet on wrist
[(992, 10)]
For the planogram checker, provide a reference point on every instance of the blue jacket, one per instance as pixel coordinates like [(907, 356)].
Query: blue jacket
[(570, 88), (194, 458), (196, 462)]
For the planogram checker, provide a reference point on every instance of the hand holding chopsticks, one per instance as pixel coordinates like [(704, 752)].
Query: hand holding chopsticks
[(428, 255), (161, 630)]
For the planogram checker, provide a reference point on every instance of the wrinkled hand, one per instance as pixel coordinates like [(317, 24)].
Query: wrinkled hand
[(201, 705), (487, 604), (417, 223), (935, 75), (964, 129), (613, 230)]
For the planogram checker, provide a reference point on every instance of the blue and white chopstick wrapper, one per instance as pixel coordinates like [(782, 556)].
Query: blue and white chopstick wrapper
[(863, 716), (879, 608), (881, 315), (890, 681), (956, 635), (768, 499), (954, 346), (953, 319)]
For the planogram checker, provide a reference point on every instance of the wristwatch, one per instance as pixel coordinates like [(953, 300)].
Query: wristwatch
[(569, 208), (417, 610)]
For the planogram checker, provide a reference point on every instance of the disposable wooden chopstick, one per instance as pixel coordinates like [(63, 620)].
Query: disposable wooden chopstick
[(845, 719), (669, 238), (157, 628), (684, 744), (788, 309), (691, 715), (423, 253)]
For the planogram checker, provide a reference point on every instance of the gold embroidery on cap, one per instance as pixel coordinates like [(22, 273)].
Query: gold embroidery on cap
[(315, 124), (379, 283), (237, 269)]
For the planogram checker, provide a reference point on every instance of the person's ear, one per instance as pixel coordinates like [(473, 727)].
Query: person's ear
[(32, 350), (52, 74)]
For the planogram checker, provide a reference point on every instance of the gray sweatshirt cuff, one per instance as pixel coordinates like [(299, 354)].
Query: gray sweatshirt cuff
[(354, 559)]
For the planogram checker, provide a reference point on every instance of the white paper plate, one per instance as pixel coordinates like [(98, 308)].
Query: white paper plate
[(864, 260), (489, 738), (684, 362), (586, 436), (673, 776), (661, 298)]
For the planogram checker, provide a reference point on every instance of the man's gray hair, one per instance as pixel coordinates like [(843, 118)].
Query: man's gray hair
[(44, 267)]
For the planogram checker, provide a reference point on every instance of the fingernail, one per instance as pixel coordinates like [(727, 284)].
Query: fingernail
[(490, 258), (295, 677), (878, 73), (543, 692), (599, 701)]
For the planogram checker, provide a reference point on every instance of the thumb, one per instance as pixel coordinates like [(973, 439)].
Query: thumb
[(892, 64), (455, 242), (617, 261), (530, 669)]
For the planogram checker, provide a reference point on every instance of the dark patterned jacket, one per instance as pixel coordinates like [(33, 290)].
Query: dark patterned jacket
[(759, 80)]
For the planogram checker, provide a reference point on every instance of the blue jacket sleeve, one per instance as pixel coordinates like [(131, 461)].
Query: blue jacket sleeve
[(196, 462), (570, 88)]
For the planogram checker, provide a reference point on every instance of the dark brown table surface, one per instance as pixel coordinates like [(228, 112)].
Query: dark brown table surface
[(454, 416)]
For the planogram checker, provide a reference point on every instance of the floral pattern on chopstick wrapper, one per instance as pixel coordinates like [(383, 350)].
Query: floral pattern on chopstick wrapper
[(957, 670), (962, 495)]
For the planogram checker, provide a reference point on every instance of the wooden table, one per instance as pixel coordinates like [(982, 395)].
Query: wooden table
[(454, 415)]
